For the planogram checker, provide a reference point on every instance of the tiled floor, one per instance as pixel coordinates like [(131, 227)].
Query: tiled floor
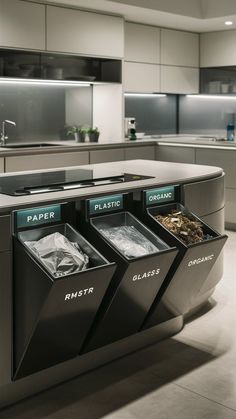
[(191, 376)]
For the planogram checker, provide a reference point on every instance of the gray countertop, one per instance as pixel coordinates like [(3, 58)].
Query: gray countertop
[(69, 146), (163, 174)]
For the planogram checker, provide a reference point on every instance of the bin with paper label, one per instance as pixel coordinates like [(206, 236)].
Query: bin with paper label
[(199, 247), (59, 282), (143, 261)]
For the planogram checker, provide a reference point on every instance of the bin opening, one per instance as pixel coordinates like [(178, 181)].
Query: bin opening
[(184, 226), (131, 238), (60, 250)]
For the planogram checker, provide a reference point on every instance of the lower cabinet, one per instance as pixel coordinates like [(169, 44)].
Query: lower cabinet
[(144, 152), (103, 156), (220, 158), (5, 318), (230, 207), (1, 164), (175, 154), (46, 161)]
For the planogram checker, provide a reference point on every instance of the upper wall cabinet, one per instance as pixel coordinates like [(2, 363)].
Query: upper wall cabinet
[(22, 24), (218, 49), (75, 31), (142, 43), (179, 48), (141, 78), (181, 80)]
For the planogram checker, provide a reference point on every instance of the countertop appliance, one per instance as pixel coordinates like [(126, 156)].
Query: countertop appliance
[(130, 124)]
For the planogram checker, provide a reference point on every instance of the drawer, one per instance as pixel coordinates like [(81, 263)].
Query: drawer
[(102, 156), (145, 153), (1, 164)]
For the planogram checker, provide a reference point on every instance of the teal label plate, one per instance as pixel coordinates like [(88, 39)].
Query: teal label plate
[(38, 216), (106, 204), (160, 195)]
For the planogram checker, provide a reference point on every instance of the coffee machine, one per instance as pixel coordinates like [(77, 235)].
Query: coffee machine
[(130, 124)]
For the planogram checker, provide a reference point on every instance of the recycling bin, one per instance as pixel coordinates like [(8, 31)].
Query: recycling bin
[(143, 261), (52, 315), (189, 270)]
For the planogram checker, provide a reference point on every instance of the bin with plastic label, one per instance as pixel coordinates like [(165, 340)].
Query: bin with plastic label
[(142, 259)]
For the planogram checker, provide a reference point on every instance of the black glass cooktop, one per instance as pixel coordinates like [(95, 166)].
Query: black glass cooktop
[(61, 180)]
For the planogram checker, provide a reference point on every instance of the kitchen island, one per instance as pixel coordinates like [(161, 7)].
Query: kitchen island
[(33, 201)]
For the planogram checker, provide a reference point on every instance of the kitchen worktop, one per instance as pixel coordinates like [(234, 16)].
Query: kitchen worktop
[(162, 174), (177, 139)]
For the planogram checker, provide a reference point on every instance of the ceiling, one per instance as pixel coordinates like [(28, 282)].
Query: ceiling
[(190, 15)]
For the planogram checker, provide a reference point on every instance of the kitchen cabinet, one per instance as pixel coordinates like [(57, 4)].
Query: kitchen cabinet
[(230, 207), (226, 160), (175, 154), (218, 49), (142, 43), (102, 156), (179, 48), (181, 80), (79, 32), (46, 161), (22, 24), (1, 165), (140, 152), (5, 236), (219, 158), (5, 318), (141, 78)]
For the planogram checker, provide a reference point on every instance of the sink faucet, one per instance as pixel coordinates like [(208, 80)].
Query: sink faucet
[(3, 136)]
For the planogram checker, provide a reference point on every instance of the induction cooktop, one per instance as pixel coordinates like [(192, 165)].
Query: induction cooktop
[(61, 180)]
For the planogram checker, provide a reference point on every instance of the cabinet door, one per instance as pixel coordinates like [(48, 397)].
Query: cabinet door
[(230, 207), (218, 48), (5, 318), (220, 158), (179, 48), (46, 161), (175, 154), (142, 43), (179, 79), (22, 24), (102, 156), (70, 30), (144, 152), (1, 164), (141, 78)]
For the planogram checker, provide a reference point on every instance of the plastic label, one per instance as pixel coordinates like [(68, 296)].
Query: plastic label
[(37, 216), (157, 196), (106, 204)]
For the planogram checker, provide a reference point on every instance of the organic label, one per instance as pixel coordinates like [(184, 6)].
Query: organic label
[(37, 216), (157, 196), (106, 204)]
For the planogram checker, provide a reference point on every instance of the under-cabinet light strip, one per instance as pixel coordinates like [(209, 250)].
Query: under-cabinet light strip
[(212, 97), (146, 94), (36, 82)]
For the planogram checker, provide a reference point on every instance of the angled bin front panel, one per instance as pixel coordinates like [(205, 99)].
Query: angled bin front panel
[(190, 269), (53, 315), (134, 285)]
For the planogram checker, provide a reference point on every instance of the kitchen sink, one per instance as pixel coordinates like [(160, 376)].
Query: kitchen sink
[(32, 145)]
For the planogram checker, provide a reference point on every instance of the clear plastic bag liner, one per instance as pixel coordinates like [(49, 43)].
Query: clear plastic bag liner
[(128, 240), (60, 256)]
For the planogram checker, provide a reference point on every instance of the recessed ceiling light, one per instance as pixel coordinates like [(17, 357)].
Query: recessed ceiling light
[(228, 22)]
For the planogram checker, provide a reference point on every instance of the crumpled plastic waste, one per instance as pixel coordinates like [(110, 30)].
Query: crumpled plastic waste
[(129, 241), (59, 255)]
